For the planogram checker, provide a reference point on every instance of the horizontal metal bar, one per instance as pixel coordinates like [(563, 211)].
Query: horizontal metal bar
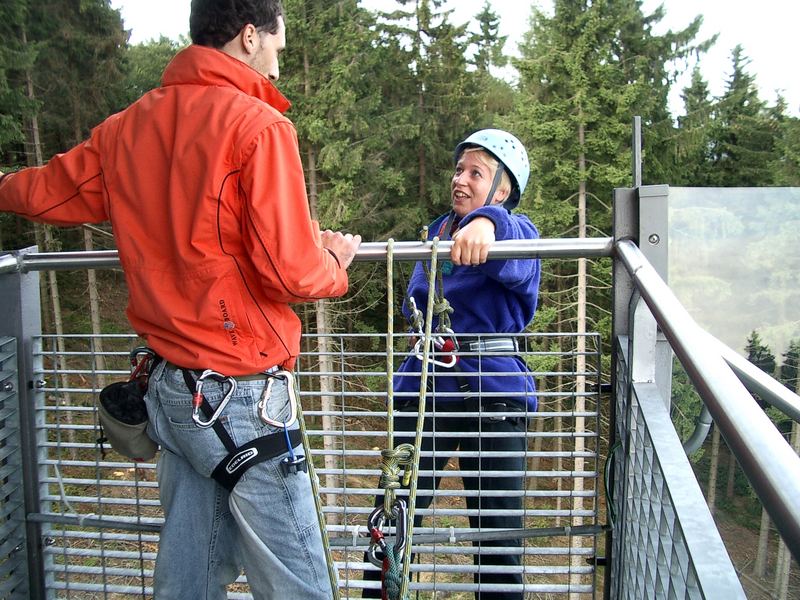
[(123, 523), (768, 461), (368, 252), (758, 382), (481, 536)]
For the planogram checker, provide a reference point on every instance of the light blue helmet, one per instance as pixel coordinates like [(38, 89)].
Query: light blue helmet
[(509, 151)]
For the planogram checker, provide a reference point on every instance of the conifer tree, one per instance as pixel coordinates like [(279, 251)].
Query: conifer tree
[(495, 96), (744, 138), (488, 41), (14, 57), (693, 148), (760, 354), (446, 106), (79, 69), (791, 363), (145, 63), (786, 166)]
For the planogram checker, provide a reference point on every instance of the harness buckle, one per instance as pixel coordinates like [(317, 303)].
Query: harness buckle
[(263, 413), (292, 466), (377, 519), (197, 397)]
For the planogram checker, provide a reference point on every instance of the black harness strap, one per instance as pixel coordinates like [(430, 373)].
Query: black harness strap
[(239, 459), (228, 472)]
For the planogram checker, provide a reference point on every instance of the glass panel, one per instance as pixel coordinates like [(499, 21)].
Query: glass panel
[(734, 261)]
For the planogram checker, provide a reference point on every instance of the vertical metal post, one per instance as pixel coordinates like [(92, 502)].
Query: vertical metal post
[(19, 297), (653, 237), (625, 222), (636, 153)]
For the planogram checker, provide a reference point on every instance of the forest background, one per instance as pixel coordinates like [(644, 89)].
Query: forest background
[(380, 100)]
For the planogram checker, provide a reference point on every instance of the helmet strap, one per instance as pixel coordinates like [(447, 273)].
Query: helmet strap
[(445, 235), (495, 182)]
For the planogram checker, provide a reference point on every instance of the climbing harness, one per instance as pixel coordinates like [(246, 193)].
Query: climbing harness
[(239, 459)]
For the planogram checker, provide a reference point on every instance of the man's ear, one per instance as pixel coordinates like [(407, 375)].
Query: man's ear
[(249, 39)]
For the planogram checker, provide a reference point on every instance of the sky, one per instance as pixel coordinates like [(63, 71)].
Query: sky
[(766, 29)]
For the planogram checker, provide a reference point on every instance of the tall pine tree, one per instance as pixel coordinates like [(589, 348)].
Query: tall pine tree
[(743, 144)]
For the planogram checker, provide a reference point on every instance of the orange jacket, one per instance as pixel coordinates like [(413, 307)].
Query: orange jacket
[(202, 182)]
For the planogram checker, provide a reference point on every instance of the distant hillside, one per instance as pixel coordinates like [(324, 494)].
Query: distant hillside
[(734, 261)]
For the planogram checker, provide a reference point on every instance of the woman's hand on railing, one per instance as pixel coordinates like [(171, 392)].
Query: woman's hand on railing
[(472, 243)]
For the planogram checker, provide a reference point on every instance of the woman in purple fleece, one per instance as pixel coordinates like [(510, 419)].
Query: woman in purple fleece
[(482, 402)]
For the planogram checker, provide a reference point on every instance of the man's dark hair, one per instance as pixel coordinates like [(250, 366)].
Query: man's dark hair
[(216, 22)]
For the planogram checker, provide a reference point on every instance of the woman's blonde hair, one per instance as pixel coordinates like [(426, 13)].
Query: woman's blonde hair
[(493, 164)]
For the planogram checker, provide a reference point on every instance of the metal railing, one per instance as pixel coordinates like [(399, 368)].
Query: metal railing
[(91, 522), (101, 516)]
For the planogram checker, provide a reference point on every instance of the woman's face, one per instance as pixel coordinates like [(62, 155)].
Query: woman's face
[(471, 183)]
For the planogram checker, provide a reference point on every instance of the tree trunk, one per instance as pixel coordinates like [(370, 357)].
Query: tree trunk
[(783, 564), (327, 401), (580, 361), (731, 475), (98, 359), (34, 147), (713, 472), (760, 566)]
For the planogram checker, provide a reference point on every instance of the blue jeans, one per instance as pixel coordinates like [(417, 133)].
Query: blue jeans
[(266, 525)]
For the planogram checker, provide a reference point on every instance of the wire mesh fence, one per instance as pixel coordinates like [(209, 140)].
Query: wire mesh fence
[(101, 515)]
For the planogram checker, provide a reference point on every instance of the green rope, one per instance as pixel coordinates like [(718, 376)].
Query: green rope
[(405, 456), (391, 458), (392, 576)]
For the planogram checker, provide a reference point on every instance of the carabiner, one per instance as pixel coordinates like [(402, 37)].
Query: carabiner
[(415, 319), (141, 358), (440, 343), (377, 519), (197, 398), (265, 394)]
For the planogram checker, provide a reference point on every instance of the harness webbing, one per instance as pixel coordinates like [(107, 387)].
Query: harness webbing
[(240, 458)]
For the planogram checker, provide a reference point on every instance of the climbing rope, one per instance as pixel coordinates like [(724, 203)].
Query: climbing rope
[(405, 456), (423, 387), (392, 459)]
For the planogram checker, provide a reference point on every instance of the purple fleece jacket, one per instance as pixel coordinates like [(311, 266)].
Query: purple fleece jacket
[(497, 297)]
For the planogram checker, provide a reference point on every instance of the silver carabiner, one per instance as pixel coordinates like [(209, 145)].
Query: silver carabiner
[(197, 399), (265, 394), (448, 365), (377, 519), (416, 319)]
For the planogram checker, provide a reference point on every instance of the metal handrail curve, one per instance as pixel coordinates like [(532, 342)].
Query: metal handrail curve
[(768, 461)]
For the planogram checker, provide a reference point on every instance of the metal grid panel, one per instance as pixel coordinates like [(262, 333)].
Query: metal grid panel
[(102, 515), (665, 542), (13, 558)]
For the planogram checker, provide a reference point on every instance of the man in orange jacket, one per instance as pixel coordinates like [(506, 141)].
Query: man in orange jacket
[(203, 184)]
